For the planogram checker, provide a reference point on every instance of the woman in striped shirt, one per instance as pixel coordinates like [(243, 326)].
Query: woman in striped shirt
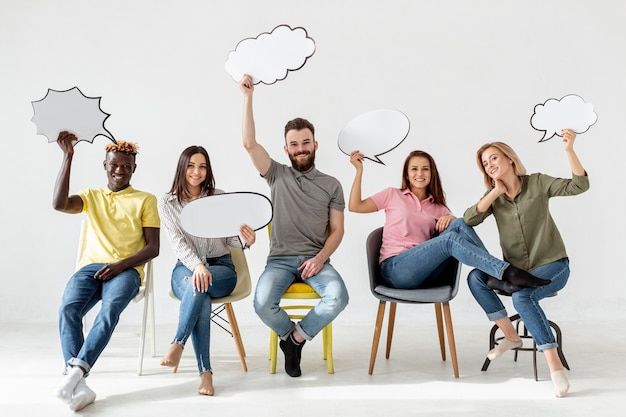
[(204, 269)]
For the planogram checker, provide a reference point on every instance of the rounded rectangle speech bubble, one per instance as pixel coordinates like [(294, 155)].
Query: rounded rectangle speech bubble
[(374, 133), (570, 112), (270, 56), (221, 215), (72, 111)]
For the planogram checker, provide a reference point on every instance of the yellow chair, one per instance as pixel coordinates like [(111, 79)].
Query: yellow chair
[(302, 291)]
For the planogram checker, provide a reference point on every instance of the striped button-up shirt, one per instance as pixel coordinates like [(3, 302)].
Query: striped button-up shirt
[(190, 250)]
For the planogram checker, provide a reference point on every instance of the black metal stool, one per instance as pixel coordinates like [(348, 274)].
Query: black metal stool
[(517, 319)]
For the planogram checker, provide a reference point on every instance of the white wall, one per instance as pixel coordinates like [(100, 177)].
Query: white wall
[(465, 72)]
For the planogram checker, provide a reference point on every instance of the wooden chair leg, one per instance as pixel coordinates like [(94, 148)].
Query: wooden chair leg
[(235, 324), (377, 329), (392, 320), (452, 345), (236, 335), (442, 341)]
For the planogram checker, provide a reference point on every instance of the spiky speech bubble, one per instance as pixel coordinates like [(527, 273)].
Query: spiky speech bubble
[(570, 112), (72, 111), (269, 57)]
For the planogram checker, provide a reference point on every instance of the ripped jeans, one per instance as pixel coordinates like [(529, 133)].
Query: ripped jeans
[(195, 307)]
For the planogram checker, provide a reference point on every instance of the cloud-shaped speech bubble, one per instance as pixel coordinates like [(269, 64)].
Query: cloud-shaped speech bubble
[(374, 133), (221, 215), (570, 112), (72, 111), (269, 57)]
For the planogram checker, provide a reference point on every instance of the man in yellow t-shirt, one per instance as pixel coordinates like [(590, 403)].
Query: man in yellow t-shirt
[(121, 235)]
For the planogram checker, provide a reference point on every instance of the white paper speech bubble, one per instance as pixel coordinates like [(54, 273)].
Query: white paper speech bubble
[(374, 133), (72, 111), (570, 112), (270, 56), (221, 215)]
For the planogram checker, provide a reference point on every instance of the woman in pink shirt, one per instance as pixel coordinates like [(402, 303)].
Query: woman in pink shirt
[(420, 231)]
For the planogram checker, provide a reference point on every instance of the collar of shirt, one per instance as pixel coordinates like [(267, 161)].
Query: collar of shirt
[(520, 193), (407, 191), (127, 190), (310, 174)]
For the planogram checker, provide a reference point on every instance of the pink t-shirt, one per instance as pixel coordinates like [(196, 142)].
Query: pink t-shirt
[(408, 221)]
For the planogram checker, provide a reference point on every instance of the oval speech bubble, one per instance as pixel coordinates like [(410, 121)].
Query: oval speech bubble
[(221, 215), (270, 57), (570, 112), (72, 111), (374, 133)]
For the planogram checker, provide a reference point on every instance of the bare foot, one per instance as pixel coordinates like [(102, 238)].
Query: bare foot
[(206, 384), (172, 357)]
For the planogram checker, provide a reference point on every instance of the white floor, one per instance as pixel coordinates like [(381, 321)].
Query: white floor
[(413, 381)]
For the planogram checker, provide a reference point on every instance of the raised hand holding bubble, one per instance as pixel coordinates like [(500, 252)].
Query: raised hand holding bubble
[(568, 113), (374, 133)]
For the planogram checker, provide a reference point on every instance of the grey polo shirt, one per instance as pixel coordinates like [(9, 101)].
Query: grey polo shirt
[(302, 203)]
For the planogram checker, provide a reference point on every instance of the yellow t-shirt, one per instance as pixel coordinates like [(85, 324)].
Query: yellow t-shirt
[(115, 224)]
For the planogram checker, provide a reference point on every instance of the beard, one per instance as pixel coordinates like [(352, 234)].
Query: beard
[(305, 165)]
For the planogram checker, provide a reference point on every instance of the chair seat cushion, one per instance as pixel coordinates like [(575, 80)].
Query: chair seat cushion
[(300, 287), (425, 295)]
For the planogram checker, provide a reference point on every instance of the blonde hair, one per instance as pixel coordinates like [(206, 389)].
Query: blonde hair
[(122, 146), (507, 151)]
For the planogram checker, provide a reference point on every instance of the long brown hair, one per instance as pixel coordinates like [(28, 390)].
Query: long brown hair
[(179, 185), (434, 188), (508, 152)]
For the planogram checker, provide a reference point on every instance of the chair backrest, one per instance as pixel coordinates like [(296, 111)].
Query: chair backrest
[(243, 287), (372, 246), (446, 274)]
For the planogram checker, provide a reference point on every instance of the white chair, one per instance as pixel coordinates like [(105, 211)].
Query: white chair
[(241, 291), (146, 293)]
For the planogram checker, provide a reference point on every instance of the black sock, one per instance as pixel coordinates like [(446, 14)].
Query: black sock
[(521, 278), (501, 285), (292, 351)]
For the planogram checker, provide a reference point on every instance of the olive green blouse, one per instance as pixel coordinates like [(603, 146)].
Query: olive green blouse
[(528, 236)]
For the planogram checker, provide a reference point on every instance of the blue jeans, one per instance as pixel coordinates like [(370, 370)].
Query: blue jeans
[(82, 292), (525, 301), (195, 307), (280, 272), (409, 269)]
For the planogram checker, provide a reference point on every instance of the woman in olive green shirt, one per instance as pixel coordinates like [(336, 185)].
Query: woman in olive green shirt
[(530, 240)]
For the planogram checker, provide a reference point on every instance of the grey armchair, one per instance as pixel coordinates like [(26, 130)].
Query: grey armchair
[(443, 287)]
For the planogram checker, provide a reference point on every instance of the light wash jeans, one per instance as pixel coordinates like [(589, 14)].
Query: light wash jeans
[(82, 292), (195, 307), (409, 269), (280, 272), (525, 301)]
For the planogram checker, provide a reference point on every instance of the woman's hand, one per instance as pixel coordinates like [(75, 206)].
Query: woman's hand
[(356, 159), (569, 136), (202, 278), (248, 234), (443, 222), (499, 188)]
